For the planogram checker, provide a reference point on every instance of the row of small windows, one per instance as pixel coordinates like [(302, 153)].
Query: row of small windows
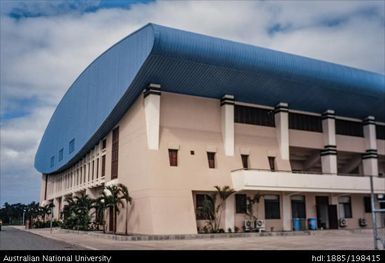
[(71, 149), (173, 159), (298, 121)]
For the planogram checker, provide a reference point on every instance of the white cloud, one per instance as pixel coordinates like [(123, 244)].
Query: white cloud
[(42, 56)]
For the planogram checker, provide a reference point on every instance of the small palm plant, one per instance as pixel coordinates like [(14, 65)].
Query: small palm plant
[(113, 197), (213, 206)]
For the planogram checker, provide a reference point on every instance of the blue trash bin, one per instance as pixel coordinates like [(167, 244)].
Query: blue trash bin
[(296, 224), (312, 223)]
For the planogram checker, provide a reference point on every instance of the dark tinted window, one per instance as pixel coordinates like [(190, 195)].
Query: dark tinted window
[(211, 159), (305, 122), (173, 157), (298, 207), (272, 208), (115, 153), (256, 116), (61, 154), (367, 204), (204, 206), (240, 203), (245, 161), (380, 131), (71, 146), (349, 128)]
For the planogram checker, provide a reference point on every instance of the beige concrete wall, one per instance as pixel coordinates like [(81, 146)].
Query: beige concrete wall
[(350, 144), (163, 195), (306, 139)]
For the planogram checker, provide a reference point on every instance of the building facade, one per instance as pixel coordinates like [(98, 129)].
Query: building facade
[(171, 114)]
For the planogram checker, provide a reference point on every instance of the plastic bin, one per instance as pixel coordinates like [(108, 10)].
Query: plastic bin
[(312, 223), (296, 224)]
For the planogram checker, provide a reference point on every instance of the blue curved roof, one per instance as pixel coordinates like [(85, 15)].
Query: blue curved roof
[(194, 64)]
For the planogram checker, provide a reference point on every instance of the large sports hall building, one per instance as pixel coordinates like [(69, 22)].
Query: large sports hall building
[(171, 114)]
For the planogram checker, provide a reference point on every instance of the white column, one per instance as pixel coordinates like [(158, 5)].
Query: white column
[(329, 153), (370, 158), (227, 119), (286, 212), (281, 117), (230, 213), (56, 209), (152, 114)]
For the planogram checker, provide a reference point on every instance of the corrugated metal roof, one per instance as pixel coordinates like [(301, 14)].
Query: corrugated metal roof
[(200, 65)]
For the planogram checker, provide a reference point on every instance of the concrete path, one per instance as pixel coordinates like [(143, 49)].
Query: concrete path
[(12, 238), (318, 240)]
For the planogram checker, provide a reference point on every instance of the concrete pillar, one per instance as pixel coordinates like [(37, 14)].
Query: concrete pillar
[(370, 158), (329, 153), (152, 114), (230, 213), (227, 120), (281, 117), (43, 188), (286, 212), (57, 208)]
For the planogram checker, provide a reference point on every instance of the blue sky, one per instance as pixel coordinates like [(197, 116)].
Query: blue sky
[(46, 44)]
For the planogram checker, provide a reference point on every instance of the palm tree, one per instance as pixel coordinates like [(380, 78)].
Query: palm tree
[(126, 196), (212, 207), (46, 210), (82, 210), (223, 193), (113, 196), (100, 206), (250, 206)]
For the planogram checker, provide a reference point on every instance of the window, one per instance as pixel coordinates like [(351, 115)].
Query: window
[(61, 154), (380, 131), (272, 207), (71, 146), (345, 207), (104, 144), (93, 169), (245, 161), (204, 206), (305, 122), (173, 157), (350, 128), (298, 207), (84, 174), (255, 116), (211, 159), (271, 163), (103, 166), (89, 171), (97, 168), (115, 153), (240, 203), (367, 204), (52, 161), (81, 175), (192, 152)]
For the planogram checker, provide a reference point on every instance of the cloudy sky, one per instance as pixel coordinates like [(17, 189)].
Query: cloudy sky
[(46, 44)]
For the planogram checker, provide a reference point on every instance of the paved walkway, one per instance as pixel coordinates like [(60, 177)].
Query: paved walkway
[(12, 238), (318, 240)]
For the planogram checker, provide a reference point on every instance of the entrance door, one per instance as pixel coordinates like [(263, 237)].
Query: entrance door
[(111, 220), (322, 204), (333, 218)]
